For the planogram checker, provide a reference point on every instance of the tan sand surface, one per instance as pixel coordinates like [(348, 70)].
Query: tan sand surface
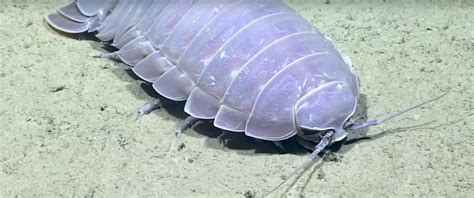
[(67, 126)]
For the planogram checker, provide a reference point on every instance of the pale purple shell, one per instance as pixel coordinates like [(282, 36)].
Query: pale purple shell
[(254, 66)]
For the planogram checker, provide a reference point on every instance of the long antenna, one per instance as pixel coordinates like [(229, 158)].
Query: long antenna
[(391, 116), (325, 140)]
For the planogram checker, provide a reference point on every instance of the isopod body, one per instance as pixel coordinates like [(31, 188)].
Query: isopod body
[(253, 66)]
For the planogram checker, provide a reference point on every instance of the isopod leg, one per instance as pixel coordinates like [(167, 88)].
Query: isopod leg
[(186, 124), (113, 56), (148, 108), (280, 146)]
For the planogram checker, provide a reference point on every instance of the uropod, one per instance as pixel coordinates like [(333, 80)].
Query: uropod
[(251, 66)]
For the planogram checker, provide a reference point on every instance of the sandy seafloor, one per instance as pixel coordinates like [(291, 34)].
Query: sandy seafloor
[(67, 125)]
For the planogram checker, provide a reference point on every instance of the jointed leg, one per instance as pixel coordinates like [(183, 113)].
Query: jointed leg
[(148, 108), (186, 124)]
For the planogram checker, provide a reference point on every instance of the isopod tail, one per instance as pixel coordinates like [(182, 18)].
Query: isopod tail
[(69, 19), (79, 16), (64, 24), (92, 7)]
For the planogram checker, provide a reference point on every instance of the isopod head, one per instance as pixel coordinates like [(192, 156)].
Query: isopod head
[(327, 107)]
